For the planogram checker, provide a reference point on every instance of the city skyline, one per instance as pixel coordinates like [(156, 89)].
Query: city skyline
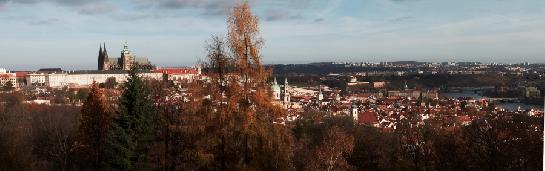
[(57, 33), (272, 84)]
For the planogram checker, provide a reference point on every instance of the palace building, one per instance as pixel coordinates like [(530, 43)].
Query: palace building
[(125, 62)]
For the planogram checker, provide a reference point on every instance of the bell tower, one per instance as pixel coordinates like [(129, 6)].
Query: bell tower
[(127, 58)]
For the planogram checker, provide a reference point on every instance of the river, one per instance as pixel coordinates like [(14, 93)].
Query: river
[(507, 106)]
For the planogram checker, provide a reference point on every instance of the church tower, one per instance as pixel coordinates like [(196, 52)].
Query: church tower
[(276, 90), (100, 59), (354, 112), (127, 58), (106, 59), (320, 94), (103, 59), (286, 92)]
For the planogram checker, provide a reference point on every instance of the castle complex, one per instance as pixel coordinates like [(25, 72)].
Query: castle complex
[(125, 62)]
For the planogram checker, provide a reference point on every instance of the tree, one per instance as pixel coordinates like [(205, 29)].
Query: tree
[(226, 122), (324, 146), (8, 86), (15, 139), (245, 43), (96, 120), (134, 129), (110, 83), (60, 96), (331, 152), (13, 98), (376, 150), (53, 134), (82, 93), (504, 141), (251, 141)]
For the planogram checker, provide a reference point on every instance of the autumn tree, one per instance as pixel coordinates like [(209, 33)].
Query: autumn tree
[(54, 131), (226, 122), (504, 141), (8, 86), (134, 128), (416, 143), (324, 145), (331, 153), (375, 149), (253, 141), (12, 99), (15, 138), (96, 120)]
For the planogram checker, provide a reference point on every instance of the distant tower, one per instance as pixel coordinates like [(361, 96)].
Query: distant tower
[(320, 94), (103, 60), (127, 58), (276, 90), (106, 62), (286, 92), (354, 112), (100, 59)]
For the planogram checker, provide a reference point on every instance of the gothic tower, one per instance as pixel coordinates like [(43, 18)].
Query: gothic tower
[(106, 63), (103, 59), (100, 59)]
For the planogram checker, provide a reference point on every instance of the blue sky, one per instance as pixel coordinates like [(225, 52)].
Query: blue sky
[(67, 33)]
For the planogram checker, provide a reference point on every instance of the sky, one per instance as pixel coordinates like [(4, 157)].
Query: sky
[(67, 33)]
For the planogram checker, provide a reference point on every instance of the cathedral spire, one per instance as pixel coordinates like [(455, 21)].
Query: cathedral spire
[(100, 51), (105, 53), (100, 59)]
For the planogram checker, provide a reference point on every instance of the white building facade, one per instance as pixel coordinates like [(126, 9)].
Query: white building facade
[(6, 77), (86, 79)]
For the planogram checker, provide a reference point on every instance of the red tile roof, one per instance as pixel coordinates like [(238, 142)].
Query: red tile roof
[(6, 75), (464, 118), (21, 74), (177, 71), (367, 118)]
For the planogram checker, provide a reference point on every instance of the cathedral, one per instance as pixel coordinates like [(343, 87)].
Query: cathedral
[(125, 62)]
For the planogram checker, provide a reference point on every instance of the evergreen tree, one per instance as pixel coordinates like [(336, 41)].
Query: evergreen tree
[(135, 127), (96, 119)]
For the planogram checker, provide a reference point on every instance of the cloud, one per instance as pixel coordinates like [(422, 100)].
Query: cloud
[(319, 20), (403, 0), (44, 22), (403, 18), (274, 15), (96, 8), (209, 7), (81, 6), (60, 2), (3, 4)]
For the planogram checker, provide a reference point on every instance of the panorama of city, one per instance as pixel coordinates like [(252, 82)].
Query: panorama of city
[(244, 101)]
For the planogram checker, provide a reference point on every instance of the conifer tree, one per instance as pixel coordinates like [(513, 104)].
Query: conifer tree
[(96, 119), (135, 127)]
